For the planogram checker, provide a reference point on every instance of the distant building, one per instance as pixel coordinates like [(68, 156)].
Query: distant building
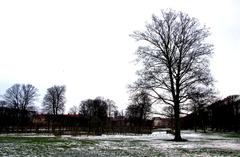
[(222, 115), (159, 122)]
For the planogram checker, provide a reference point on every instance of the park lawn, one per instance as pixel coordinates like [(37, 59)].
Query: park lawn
[(156, 144)]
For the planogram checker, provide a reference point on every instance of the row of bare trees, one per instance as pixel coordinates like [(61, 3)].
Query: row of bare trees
[(111, 107), (23, 97), (92, 116), (18, 105)]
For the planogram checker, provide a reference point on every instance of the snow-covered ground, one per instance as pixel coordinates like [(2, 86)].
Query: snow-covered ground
[(156, 144)]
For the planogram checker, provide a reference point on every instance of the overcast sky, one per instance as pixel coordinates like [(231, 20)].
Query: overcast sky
[(85, 45)]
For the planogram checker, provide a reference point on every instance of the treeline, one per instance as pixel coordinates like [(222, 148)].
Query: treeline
[(92, 116), (222, 115), (95, 117)]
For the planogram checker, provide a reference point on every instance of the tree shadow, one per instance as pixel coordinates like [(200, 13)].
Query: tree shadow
[(173, 140)]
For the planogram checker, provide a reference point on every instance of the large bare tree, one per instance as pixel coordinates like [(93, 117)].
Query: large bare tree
[(21, 96), (175, 59), (54, 100)]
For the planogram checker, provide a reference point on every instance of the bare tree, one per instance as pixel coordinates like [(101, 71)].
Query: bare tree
[(200, 99), (74, 110), (95, 113), (175, 58), (28, 96), (143, 103), (168, 112), (112, 108), (12, 96), (54, 100), (3, 103), (132, 111), (21, 97), (139, 109)]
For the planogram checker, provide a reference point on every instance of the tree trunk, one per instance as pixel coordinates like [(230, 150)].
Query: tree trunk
[(177, 132), (195, 119)]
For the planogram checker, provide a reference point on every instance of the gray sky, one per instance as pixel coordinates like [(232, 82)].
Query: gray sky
[(85, 45)]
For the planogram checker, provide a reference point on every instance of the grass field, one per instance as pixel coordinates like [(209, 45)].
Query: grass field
[(156, 144)]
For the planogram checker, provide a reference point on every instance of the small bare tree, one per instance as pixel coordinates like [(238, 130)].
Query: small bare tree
[(3, 103), (175, 58), (74, 110), (143, 103), (112, 108), (200, 99), (54, 100)]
